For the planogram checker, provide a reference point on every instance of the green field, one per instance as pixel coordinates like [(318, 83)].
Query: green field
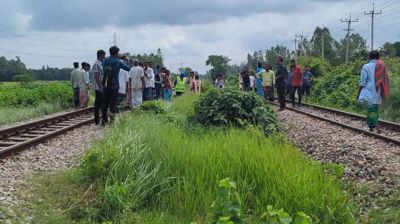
[(20, 102)]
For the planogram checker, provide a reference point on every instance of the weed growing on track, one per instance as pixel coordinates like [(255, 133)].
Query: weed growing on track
[(149, 163)]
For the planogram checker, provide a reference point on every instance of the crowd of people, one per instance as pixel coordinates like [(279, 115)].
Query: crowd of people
[(119, 82), (265, 82)]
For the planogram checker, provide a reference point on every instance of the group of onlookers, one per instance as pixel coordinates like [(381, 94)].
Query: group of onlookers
[(118, 81), (264, 81)]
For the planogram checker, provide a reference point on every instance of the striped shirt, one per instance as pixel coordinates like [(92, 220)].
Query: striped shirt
[(97, 68)]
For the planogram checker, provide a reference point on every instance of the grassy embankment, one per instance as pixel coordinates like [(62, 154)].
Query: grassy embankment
[(159, 169)]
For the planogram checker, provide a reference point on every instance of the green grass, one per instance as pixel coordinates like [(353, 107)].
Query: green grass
[(147, 162), (158, 169), (9, 115)]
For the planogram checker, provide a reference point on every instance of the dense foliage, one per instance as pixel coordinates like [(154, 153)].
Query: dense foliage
[(231, 107), (339, 88), (16, 95), (318, 66)]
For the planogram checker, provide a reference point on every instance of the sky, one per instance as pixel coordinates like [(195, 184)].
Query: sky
[(56, 33)]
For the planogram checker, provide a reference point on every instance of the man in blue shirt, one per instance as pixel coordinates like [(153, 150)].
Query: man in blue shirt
[(111, 67), (307, 79), (368, 93)]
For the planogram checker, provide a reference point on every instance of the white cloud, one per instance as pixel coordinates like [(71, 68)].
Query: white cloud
[(234, 34)]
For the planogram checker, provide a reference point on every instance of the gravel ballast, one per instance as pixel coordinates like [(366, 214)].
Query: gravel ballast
[(60, 153), (367, 160)]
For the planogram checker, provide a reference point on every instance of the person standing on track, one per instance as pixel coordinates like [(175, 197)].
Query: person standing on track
[(97, 86), (84, 85), (136, 84), (268, 78), (158, 82), (180, 85), (167, 85), (111, 67), (374, 88), (259, 79), (75, 81), (123, 80), (245, 74), (297, 83), (308, 77), (281, 75), (149, 81), (198, 85)]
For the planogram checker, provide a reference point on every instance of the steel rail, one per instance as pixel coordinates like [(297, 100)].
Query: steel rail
[(359, 130), (16, 138)]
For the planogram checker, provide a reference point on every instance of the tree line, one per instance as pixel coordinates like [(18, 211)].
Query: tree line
[(320, 45), (16, 70)]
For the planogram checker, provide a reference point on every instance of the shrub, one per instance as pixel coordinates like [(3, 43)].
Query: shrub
[(318, 66), (152, 106), (24, 78), (230, 107)]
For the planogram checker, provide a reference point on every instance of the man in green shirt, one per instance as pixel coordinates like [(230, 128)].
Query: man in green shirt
[(268, 82)]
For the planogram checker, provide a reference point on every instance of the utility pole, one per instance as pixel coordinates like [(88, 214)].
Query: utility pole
[(372, 13), (348, 21), (115, 39), (301, 36), (322, 44), (295, 44)]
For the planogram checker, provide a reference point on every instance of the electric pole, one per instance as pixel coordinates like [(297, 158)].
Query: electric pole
[(115, 39), (322, 44), (348, 21), (301, 36), (295, 44), (372, 13)]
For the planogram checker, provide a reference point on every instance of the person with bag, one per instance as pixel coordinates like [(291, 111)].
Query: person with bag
[(374, 88), (111, 68)]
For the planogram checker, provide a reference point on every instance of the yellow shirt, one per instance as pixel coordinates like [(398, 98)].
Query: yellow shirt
[(268, 78)]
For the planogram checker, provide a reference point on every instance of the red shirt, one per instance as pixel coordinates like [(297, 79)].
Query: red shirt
[(297, 76)]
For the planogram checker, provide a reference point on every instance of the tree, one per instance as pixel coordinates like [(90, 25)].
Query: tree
[(329, 44), (357, 47), (24, 79), (219, 64), (391, 49)]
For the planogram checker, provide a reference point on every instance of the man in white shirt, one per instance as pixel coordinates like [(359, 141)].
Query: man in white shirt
[(123, 79), (84, 85), (149, 82), (136, 84), (75, 81)]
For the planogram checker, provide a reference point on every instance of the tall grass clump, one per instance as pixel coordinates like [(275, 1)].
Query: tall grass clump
[(146, 163)]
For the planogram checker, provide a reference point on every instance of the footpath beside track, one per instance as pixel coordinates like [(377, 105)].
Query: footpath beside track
[(389, 131), (20, 137)]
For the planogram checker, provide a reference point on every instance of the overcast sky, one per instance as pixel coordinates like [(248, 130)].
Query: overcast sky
[(58, 32)]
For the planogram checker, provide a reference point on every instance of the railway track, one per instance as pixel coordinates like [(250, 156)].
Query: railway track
[(16, 138), (389, 131)]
